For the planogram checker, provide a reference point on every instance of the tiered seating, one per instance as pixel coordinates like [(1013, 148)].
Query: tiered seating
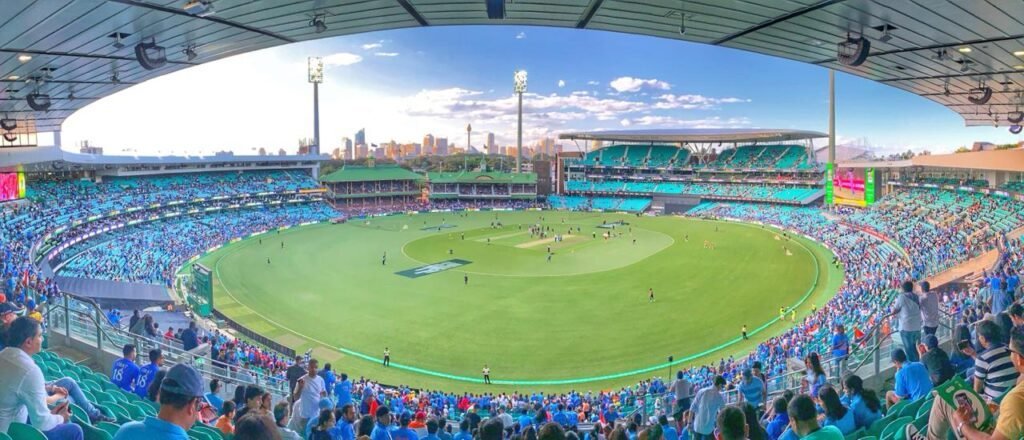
[(763, 156), (720, 190), (107, 397), (573, 203), (941, 227), (150, 252), (636, 155), (666, 156), (604, 203), (1017, 186)]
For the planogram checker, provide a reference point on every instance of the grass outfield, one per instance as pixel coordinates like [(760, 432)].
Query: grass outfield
[(547, 325)]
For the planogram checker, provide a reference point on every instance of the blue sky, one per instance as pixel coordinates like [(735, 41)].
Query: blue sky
[(404, 84)]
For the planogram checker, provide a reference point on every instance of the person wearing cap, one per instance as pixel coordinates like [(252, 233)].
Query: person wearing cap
[(181, 402), (312, 423), (148, 372), (23, 394), (32, 311), (404, 432), (124, 372), (419, 420), (752, 390)]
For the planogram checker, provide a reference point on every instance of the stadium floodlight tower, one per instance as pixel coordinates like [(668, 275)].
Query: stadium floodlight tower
[(316, 76), (520, 88)]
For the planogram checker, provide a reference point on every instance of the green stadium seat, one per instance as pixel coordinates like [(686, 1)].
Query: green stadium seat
[(926, 408), (94, 433), (889, 433), (21, 431), (109, 427), (855, 434), (135, 412), (910, 410), (79, 416), (4, 436)]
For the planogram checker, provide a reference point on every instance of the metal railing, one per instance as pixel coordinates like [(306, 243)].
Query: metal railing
[(83, 321)]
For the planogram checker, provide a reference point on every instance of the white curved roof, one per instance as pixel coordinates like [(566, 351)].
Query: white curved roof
[(73, 38)]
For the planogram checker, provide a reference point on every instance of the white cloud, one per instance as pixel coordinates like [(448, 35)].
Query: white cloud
[(630, 84), (561, 83), (712, 122), (371, 46), (689, 102), (624, 123), (342, 59), (386, 54), (592, 83), (521, 35)]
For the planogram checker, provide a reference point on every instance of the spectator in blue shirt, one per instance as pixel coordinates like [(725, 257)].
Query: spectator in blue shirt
[(404, 432), (147, 373), (329, 378), (189, 338), (464, 433), (213, 397), (864, 403), (779, 421), (124, 372), (751, 389), (432, 428), (181, 398), (840, 349), (343, 390), (835, 413), (912, 379), (381, 430), (667, 431), (343, 429)]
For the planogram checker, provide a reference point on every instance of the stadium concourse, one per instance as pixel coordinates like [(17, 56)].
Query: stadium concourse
[(132, 229)]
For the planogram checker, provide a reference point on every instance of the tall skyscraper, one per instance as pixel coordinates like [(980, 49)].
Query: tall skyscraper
[(428, 144), (361, 137), (441, 145), (492, 147), (346, 148)]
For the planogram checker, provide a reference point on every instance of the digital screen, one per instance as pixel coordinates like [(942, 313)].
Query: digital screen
[(12, 186), (853, 186)]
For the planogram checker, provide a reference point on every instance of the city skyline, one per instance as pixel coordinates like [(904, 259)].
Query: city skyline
[(438, 80)]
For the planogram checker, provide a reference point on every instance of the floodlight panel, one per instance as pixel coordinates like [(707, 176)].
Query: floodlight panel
[(520, 81), (316, 70)]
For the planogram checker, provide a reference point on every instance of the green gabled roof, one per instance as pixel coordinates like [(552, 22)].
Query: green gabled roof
[(482, 177), (353, 173)]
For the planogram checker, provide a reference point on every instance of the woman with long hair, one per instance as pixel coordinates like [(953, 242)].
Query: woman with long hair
[(323, 424), (815, 375), (864, 403), (835, 413), (962, 363)]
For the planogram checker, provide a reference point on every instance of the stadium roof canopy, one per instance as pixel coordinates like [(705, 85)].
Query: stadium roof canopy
[(939, 49), (696, 135), (352, 173)]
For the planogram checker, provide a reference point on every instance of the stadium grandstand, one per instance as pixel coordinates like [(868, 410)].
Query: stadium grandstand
[(920, 335), (681, 168)]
